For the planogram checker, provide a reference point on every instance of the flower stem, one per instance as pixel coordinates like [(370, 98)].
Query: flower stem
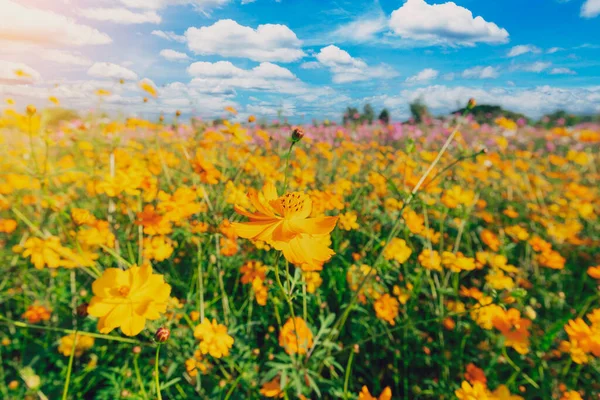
[(200, 284), (24, 325), (347, 375), (139, 376), (156, 372), (69, 368), (287, 164), (518, 369)]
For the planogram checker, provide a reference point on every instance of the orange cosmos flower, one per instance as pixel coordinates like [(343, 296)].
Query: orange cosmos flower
[(594, 272), (366, 395), (295, 336), (283, 223)]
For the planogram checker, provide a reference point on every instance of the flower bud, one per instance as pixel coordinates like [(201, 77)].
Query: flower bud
[(136, 350), (82, 310), (297, 134), (31, 110), (177, 113), (162, 335), (472, 103)]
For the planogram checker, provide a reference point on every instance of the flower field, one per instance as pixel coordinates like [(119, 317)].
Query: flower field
[(180, 259)]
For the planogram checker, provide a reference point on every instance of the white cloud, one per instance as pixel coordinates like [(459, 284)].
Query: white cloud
[(449, 76), (65, 57), (424, 76), (310, 65), (31, 25), (346, 68), (481, 73), (80, 95), (171, 36), (12, 73), (553, 50), (533, 102), (362, 29), (445, 23), (227, 38), (223, 76), (562, 71), (120, 15), (110, 70), (173, 55), (199, 5), (590, 9), (538, 67), (523, 49)]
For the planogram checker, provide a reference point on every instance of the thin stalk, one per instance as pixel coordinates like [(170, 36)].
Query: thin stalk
[(287, 164), (24, 325), (69, 368), (156, 372), (347, 375), (200, 284), (139, 376)]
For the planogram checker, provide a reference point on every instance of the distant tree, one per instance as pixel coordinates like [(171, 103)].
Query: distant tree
[(561, 117), (368, 114), (351, 115), (419, 111), (384, 116), (486, 114)]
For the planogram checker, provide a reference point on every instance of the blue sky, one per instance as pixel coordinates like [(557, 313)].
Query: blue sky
[(302, 59)]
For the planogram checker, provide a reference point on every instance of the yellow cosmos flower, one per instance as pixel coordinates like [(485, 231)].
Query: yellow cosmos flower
[(476, 392), (295, 336), (84, 343), (148, 88), (214, 339), (126, 299), (283, 222), (386, 308), (397, 250)]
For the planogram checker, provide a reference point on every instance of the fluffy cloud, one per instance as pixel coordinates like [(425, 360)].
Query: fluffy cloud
[(12, 73), (65, 57), (170, 36), (533, 102), (223, 75), (120, 15), (562, 71), (590, 9), (481, 73), (445, 23), (173, 55), (424, 76), (80, 95), (346, 68), (362, 29), (31, 25), (538, 67), (523, 49), (227, 38), (112, 71)]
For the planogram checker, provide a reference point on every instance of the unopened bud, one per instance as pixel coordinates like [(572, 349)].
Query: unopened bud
[(297, 134), (82, 310), (472, 103), (162, 335), (177, 113), (136, 350), (31, 110)]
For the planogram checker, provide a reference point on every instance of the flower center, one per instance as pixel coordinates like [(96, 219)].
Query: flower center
[(292, 203), (124, 291)]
